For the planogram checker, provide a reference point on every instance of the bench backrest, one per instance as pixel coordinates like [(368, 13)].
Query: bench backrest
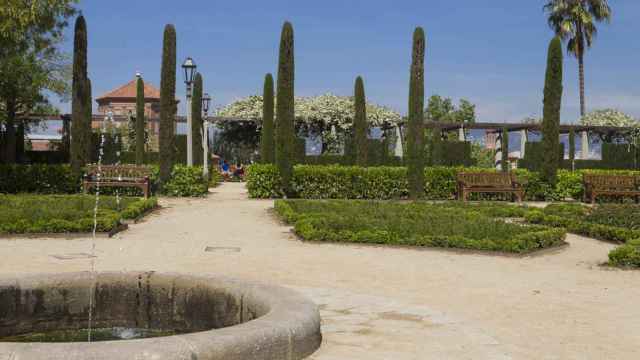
[(611, 182), (120, 171), (497, 179)]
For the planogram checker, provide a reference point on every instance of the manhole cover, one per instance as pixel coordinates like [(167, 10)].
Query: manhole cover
[(226, 249), (73, 256)]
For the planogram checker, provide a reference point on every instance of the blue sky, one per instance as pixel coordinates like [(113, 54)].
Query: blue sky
[(490, 52)]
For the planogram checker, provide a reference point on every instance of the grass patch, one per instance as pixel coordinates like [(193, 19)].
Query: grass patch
[(27, 214), (448, 225)]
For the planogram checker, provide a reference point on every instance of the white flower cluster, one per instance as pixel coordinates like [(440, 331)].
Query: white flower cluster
[(609, 117), (332, 110)]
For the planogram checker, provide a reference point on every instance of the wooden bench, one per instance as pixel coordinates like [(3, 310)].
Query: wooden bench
[(614, 185), (486, 182), (118, 176)]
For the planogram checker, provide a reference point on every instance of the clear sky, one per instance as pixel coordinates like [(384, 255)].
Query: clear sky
[(492, 53)]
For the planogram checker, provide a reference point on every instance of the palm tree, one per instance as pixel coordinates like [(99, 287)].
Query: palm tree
[(575, 22)]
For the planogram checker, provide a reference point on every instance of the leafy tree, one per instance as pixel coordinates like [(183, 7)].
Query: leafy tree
[(551, 112), (504, 162), (443, 110), (285, 108), (575, 21), (267, 140), (167, 102), (360, 128), (415, 134), (80, 140), (140, 121), (196, 116), (31, 63)]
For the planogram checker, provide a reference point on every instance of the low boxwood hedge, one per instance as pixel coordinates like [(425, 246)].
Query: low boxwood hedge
[(57, 179), (24, 214), (451, 225), (352, 182), (627, 255)]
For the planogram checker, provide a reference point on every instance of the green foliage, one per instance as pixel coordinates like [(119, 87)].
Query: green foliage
[(167, 102), (267, 140), (38, 178), (505, 150), (263, 181), (620, 223), (79, 95), (360, 127), (572, 147), (140, 122), (482, 157), (535, 156), (186, 181), (66, 213), (443, 110), (435, 150), (197, 122), (415, 131), (551, 112), (285, 107), (627, 255), (451, 225)]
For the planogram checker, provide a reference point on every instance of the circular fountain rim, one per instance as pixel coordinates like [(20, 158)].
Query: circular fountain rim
[(290, 329)]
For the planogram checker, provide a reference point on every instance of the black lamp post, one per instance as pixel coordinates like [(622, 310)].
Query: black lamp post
[(189, 67)]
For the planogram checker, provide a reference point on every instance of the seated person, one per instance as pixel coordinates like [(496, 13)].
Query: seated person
[(225, 170), (239, 171)]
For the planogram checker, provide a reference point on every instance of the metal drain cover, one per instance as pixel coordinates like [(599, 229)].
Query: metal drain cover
[(225, 249), (73, 256)]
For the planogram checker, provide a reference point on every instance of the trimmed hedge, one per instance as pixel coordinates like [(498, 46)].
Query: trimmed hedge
[(611, 222), (58, 179), (352, 182), (464, 226), (24, 214), (627, 255)]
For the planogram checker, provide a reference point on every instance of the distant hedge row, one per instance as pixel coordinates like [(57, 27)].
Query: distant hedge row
[(352, 182)]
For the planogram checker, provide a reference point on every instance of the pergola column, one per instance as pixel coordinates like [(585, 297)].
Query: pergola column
[(461, 136), (523, 142), (585, 145)]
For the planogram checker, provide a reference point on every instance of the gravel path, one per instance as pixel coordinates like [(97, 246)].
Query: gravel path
[(380, 303)]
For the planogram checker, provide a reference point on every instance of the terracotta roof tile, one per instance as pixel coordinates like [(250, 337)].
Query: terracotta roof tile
[(129, 90)]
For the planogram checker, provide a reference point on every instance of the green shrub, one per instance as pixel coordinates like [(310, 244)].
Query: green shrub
[(38, 178), (67, 213), (451, 225), (627, 255), (186, 181), (620, 215)]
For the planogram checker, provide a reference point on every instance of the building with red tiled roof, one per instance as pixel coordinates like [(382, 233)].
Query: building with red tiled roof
[(122, 101)]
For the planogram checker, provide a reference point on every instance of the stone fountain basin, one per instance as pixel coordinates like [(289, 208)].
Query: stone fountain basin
[(218, 317)]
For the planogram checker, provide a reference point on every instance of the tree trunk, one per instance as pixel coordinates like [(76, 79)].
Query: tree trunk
[(583, 106)]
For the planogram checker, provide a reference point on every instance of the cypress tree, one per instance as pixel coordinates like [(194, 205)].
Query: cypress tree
[(504, 162), (140, 121), (167, 102), (572, 147), (285, 132), (551, 112), (88, 112), (79, 97), (415, 136), (436, 146), (360, 124), (267, 140), (196, 116)]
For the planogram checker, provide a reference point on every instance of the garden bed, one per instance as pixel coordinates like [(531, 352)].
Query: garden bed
[(454, 225), (64, 214), (619, 223)]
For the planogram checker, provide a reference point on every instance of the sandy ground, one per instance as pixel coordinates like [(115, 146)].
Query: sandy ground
[(380, 303)]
